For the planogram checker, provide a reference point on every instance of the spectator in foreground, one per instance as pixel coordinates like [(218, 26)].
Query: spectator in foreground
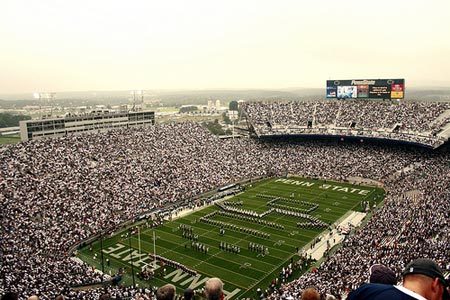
[(166, 292), (310, 294), (382, 274), (422, 279), (214, 289), (188, 294)]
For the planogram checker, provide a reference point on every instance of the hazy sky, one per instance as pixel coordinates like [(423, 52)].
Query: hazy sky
[(69, 45)]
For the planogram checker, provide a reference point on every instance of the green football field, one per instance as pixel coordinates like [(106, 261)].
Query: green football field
[(216, 241)]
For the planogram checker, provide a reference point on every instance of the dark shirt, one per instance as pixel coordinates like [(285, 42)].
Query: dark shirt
[(376, 291)]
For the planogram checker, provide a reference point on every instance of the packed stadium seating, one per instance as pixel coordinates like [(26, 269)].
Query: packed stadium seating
[(416, 122), (57, 192)]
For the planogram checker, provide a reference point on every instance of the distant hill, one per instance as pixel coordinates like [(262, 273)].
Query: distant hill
[(200, 97), (436, 94)]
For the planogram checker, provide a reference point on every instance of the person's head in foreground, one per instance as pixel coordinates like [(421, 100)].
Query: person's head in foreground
[(214, 289), (422, 279)]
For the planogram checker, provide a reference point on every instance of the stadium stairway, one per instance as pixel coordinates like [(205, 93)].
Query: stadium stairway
[(317, 252), (445, 133), (440, 118), (444, 117), (338, 114)]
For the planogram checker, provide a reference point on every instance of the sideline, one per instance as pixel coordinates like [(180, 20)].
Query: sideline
[(331, 238), (176, 214)]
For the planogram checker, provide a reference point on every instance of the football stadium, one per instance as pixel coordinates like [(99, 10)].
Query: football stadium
[(313, 195), (224, 150), (245, 240)]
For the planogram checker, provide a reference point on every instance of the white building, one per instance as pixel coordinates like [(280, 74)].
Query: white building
[(210, 105), (89, 122)]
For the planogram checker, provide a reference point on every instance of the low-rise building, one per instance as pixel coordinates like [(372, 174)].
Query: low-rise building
[(97, 121)]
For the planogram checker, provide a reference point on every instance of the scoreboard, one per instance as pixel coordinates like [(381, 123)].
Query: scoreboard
[(366, 88)]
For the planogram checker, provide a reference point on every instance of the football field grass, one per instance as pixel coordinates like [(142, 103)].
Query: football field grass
[(245, 240)]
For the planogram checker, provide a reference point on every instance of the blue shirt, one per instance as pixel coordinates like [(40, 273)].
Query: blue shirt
[(377, 291)]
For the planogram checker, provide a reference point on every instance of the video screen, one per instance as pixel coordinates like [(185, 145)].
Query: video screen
[(331, 92), (347, 92), (366, 89), (397, 91), (363, 91), (383, 92)]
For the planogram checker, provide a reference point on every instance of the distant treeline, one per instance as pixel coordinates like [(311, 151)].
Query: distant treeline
[(216, 128), (9, 120), (201, 97)]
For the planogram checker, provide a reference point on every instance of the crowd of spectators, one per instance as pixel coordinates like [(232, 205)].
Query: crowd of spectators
[(55, 193), (410, 121)]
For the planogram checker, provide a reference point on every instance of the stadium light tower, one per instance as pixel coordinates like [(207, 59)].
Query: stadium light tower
[(233, 115), (138, 97), (48, 97)]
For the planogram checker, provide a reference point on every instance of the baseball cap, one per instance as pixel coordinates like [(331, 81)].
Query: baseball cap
[(428, 268)]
